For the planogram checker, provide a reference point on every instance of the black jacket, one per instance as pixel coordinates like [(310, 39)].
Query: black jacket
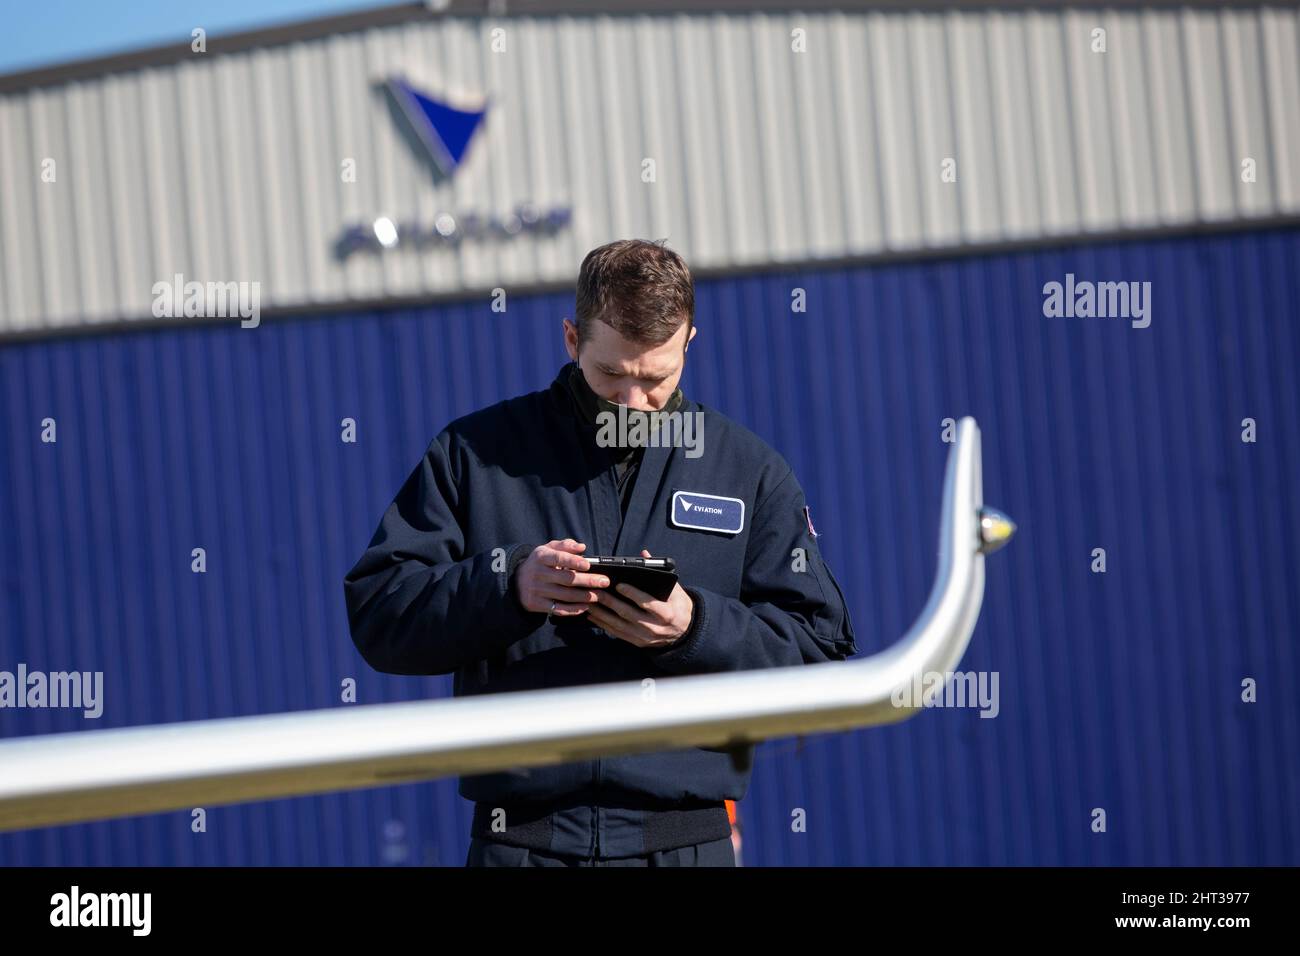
[(432, 595)]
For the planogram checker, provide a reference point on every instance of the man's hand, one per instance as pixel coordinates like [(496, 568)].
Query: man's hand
[(645, 622), (551, 580)]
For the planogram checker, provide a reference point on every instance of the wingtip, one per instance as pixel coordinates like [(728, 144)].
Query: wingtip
[(996, 529)]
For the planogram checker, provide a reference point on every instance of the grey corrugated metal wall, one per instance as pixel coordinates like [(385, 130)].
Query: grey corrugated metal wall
[(1118, 690), (228, 168)]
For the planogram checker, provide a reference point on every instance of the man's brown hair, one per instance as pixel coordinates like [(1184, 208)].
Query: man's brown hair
[(641, 289)]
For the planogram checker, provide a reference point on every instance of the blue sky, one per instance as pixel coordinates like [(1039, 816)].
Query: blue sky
[(41, 32)]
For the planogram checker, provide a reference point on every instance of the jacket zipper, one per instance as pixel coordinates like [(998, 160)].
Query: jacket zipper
[(595, 810), (611, 475)]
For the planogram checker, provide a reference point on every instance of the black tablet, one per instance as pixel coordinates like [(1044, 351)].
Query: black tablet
[(655, 576)]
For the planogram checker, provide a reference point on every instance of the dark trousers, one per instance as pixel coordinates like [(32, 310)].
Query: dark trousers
[(488, 853)]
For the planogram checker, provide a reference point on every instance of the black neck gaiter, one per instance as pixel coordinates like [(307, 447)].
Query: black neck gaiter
[(590, 406)]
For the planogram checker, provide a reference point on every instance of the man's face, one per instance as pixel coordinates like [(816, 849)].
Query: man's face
[(628, 373)]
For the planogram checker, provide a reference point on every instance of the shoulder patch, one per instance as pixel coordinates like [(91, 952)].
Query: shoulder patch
[(807, 514)]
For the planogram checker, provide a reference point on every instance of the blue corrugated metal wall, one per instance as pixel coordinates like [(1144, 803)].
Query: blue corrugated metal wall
[(1118, 690)]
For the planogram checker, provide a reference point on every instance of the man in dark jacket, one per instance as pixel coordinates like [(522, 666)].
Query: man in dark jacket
[(477, 569)]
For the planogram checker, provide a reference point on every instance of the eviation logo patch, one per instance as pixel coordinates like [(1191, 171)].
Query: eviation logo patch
[(703, 512)]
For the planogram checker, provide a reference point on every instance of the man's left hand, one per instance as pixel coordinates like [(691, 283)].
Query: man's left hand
[(640, 619)]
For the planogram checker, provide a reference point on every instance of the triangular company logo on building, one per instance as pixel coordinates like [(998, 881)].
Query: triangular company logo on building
[(444, 131)]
